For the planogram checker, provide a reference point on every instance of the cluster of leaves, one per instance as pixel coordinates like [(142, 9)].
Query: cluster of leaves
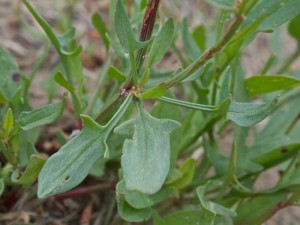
[(218, 98)]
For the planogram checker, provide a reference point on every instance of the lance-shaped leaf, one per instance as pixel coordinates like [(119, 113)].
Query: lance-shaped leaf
[(124, 31), (248, 114), (31, 172), (146, 157), (258, 85), (72, 163), (211, 207), (41, 116), (161, 43)]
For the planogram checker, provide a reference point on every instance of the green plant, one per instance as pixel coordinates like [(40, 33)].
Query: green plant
[(148, 148)]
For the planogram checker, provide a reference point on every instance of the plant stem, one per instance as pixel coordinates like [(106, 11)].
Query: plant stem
[(145, 34), (207, 55), (84, 191)]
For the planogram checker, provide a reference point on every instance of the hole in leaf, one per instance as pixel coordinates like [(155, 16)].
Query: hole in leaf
[(67, 178), (16, 77)]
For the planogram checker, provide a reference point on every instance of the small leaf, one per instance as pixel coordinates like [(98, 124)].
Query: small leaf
[(139, 200), (42, 116), (146, 158), (161, 43), (277, 12), (154, 92), (186, 171), (210, 206), (100, 26), (136, 199), (258, 85), (116, 74), (131, 214), (31, 172), (8, 124), (248, 114), (293, 28), (72, 163)]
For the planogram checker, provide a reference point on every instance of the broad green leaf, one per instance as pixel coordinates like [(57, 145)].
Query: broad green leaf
[(267, 205), (293, 28), (185, 217), (8, 123), (116, 74), (169, 111), (2, 186), (189, 44), (131, 214), (139, 200), (42, 116), (223, 4), (258, 85), (154, 92), (31, 172), (161, 43), (186, 174), (146, 157), (210, 206), (72, 163), (248, 114), (100, 26), (9, 76), (276, 13)]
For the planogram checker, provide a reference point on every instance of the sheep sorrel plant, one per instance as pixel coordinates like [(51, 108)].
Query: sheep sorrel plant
[(182, 145)]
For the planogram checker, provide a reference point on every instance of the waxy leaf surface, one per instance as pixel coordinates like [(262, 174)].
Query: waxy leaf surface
[(71, 164), (258, 85), (41, 116), (146, 157), (248, 114)]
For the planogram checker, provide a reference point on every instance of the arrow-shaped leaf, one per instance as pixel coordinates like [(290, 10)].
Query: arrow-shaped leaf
[(248, 114), (146, 157), (72, 163)]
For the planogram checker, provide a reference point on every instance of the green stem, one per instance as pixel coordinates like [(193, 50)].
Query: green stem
[(207, 55), (189, 104)]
